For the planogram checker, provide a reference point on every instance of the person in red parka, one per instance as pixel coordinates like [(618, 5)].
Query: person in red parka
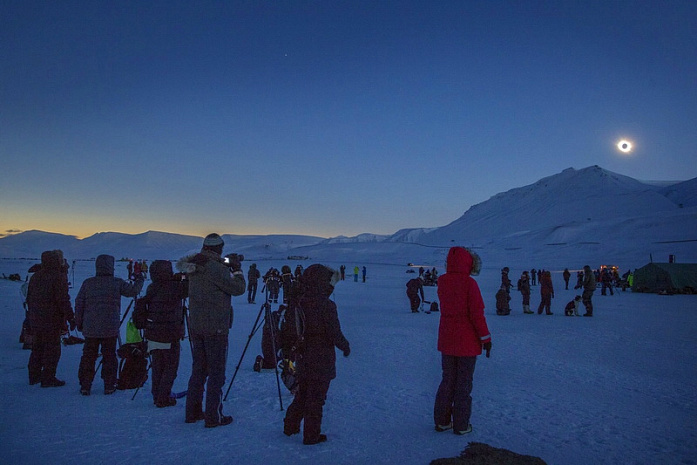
[(546, 293), (462, 334)]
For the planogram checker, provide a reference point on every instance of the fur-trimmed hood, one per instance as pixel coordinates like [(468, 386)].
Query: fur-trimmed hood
[(194, 263), (463, 260)]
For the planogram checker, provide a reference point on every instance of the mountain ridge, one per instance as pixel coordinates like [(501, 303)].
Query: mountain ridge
[(591, 208)]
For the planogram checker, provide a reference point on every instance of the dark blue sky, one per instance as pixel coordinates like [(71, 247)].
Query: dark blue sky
[(328, 117)]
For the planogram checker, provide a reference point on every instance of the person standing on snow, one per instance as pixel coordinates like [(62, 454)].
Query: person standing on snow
[(253, 276), (588, 290), (546, 293), (212, 283), (524, 288), (161, 314), (317, 366), (48, 310), (462, 334), (98, 316), (415, 287), (567, 276)]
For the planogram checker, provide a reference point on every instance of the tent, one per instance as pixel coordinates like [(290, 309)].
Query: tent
[(668, 278)]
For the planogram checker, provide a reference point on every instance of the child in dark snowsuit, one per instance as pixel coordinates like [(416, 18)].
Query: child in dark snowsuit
[(524, 288), (317, 365), (161, 314)]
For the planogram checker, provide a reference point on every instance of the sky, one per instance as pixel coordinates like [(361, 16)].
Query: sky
[(328, 118)]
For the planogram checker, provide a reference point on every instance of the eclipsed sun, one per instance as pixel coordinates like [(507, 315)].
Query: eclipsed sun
[(624, 146)]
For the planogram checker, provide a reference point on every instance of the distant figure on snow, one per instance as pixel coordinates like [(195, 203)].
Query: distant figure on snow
[(415, 288)]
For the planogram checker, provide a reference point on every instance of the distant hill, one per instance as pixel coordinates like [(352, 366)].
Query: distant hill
[(592, 214)]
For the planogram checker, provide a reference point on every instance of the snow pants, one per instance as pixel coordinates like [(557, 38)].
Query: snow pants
[(165, 365), (545, 304), (414, 301), (586, 299), (110, 364), (45, 354), (209, 357), (453, 399), (252, 291), (307, 405)]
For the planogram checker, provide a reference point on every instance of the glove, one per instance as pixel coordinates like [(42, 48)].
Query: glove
[(72, 324), (487, 348), (347, 352)]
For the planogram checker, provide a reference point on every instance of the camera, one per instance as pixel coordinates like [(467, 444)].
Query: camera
[(233, 258)]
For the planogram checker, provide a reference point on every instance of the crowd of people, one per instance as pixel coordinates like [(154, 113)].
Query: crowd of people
[(208, 281), (587, 280)]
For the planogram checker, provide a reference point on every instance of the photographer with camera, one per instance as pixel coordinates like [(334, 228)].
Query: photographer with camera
[(213, 280)]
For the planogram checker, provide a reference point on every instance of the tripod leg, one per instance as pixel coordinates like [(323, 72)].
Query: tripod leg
[(255, 328), (269, 321)]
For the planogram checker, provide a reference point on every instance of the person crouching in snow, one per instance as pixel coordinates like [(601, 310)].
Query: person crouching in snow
[(462, 334), (502, 302), (317, 365)]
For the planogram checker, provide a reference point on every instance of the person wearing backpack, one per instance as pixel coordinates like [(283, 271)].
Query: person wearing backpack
[(317, 364), (98, 317), (212, 283), (161, 314)]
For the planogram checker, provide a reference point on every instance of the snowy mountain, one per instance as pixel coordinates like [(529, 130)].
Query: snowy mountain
[(592, 211)]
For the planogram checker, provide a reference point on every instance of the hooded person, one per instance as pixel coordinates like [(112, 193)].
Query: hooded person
[(212, 283), (317, 364), (48, 310), (462, 334), (161, 314), (98, 317)]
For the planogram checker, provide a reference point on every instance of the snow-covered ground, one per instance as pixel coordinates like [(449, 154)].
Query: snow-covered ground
[(620, 387)]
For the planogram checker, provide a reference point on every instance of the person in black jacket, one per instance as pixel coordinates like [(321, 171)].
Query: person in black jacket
[(161, 314), (415, 288), (48, 310), (253, 276), (317, 365)]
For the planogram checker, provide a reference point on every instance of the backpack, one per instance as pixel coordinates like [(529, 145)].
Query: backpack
[(133, 368), (291, 329), (140, 313), (434, 307)]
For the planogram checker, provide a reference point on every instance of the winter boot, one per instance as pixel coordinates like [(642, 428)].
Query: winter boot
[(464, 431), (55, 382), (320, 438), (441, 428)]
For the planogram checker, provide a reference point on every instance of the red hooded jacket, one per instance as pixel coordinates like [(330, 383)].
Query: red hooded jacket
[(463, 328)]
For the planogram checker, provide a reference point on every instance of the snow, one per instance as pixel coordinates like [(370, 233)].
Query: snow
[(618, 388)]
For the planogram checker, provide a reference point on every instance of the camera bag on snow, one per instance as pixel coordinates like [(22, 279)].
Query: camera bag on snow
[(133, 367)]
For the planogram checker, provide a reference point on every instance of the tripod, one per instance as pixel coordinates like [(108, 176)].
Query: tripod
[(266, 309)]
